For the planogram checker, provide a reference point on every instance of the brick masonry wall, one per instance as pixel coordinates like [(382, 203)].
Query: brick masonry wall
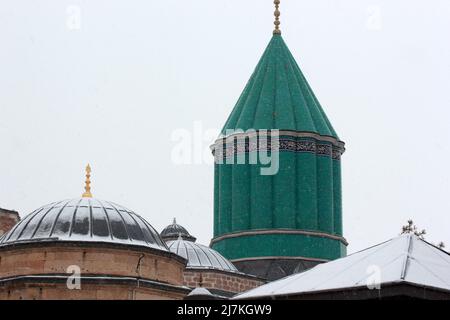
[(39, 291), (27, 260), (8, 219), (51, 259), (225, 281)]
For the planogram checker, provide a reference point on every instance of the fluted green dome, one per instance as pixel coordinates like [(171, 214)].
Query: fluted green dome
[(296, 211), (279, 97)]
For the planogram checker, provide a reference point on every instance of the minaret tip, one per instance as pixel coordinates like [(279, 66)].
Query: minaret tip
[(87, 187), (277, 17)]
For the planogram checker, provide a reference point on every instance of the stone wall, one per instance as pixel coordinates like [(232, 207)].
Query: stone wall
[(220, 280), (39, 290), (8, 219), (20, 262)]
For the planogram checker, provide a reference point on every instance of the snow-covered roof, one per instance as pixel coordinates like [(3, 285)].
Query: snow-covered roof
[(200, 292), (405, 259)]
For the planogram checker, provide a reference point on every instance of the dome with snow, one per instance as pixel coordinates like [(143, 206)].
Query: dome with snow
[(84, 220), (175, 231), (200, 256)]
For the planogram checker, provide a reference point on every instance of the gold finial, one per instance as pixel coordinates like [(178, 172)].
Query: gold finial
[(277, 17), (87, 187)]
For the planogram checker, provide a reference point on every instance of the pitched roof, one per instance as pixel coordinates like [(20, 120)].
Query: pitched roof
[(405, 259), (278, 96)]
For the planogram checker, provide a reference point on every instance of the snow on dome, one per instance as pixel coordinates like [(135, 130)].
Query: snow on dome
[(200, 292), (84, 220), (200, 256), (406, 258), (175, 231)]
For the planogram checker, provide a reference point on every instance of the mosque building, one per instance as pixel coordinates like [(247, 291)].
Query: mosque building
[(114, 252), (278, 221)]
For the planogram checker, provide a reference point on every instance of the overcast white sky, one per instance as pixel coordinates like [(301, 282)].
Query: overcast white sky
[(111, 88)]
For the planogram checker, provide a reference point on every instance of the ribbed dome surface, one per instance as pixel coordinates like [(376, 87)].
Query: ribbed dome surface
[(84, 220), (278, 96), (200, 256), (174, 231)]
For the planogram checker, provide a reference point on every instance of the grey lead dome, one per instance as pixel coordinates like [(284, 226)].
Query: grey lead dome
[(175, 231), (84, 220), (200, 256)]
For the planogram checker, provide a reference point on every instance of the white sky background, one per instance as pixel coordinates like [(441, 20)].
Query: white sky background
[(112, 92)]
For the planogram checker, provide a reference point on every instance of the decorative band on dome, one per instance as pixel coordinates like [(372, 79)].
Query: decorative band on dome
[(284, 142)]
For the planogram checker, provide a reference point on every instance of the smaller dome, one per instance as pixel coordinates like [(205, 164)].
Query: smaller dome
[(174, 231), (200, 256)]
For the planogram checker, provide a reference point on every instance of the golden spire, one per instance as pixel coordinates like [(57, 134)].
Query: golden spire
[(277, 17), (87, 187)]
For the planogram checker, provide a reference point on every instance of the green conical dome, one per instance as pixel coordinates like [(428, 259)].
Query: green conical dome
[(279, 97), (292, 216)]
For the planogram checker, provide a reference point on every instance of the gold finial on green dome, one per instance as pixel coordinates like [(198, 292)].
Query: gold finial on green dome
[(87, 187), (277, 17)]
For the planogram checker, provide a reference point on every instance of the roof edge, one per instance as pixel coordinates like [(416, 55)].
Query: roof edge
[(385, 286), (89, 244)]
